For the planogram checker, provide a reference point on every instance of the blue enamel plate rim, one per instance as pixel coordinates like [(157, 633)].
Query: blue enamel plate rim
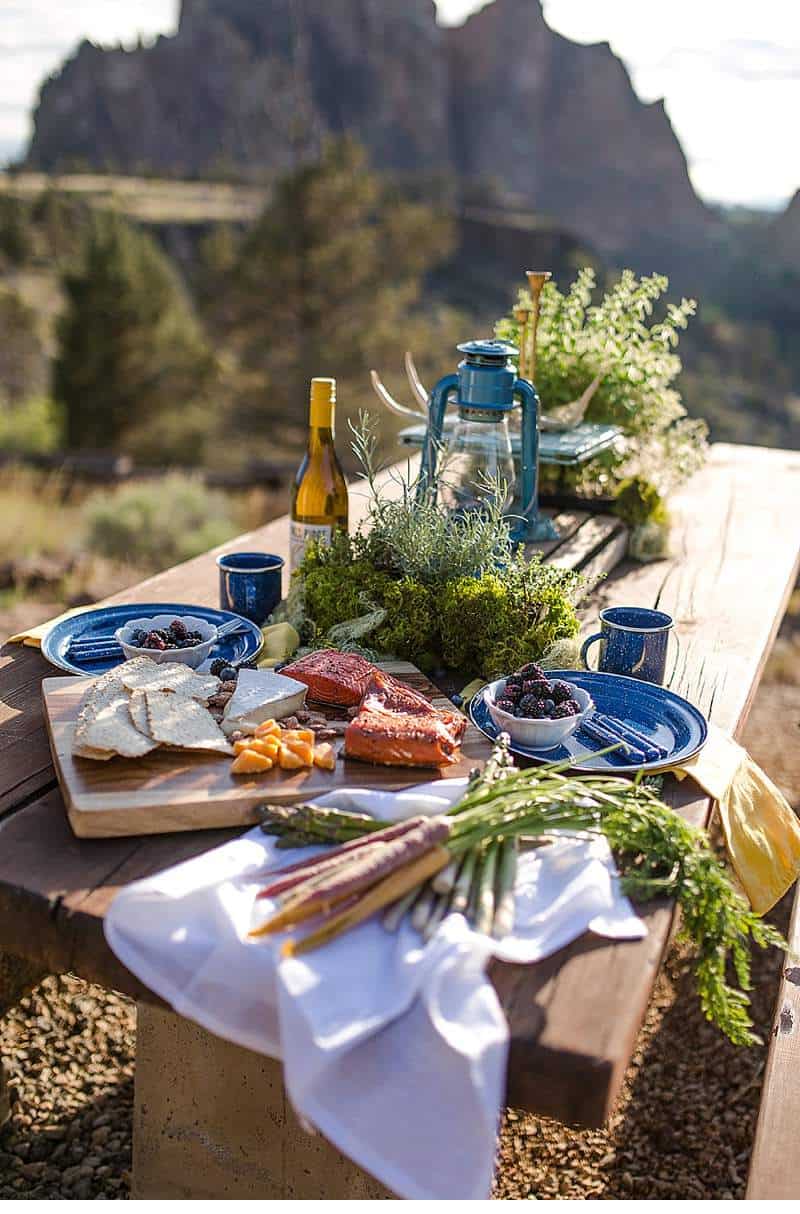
[(592, 676), (56, 641)]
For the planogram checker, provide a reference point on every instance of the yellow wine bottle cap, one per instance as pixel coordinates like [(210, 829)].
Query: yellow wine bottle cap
[(323, 400)]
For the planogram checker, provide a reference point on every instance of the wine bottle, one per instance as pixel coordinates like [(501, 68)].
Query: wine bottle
[(319, 494)]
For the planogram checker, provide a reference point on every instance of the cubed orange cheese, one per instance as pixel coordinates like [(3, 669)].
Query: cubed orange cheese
[(325, 756), (298, 735), (268, 727), (250, 761), (267, 745), (288, 760), (303, 750)]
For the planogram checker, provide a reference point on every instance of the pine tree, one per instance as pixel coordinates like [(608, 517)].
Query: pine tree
[(16, 236), (326, 283), (132, 370)]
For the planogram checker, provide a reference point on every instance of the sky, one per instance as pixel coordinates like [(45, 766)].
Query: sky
[(729, 71)]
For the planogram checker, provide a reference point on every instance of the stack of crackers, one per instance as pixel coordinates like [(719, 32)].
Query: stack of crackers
[(141, 705)]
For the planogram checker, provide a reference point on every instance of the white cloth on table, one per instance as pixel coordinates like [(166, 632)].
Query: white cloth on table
[(394, 1049)]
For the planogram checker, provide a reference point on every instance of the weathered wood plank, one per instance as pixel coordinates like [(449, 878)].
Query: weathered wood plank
[(775, 1162)]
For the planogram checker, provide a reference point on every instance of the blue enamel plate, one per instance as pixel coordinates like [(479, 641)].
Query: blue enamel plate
[(236, 648), (672, 722)]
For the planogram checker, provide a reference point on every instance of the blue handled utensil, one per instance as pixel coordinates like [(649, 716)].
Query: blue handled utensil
[(606, 737), (652, 751)]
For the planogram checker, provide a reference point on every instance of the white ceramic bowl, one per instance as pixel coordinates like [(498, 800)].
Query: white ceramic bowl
[(538, 735), (194, 656)]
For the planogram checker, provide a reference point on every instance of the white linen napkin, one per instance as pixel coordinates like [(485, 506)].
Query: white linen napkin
[(394, 1049)]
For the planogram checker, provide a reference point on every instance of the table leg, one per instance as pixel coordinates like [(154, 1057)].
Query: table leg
[(213, 1120)]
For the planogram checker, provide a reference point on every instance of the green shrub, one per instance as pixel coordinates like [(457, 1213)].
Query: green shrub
[(155, 524), (34, 427)]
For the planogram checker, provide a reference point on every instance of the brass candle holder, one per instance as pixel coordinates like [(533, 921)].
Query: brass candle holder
[(522, 316), (536, 280)]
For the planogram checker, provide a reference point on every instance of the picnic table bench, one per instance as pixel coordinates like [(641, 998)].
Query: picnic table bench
[(212, 1119)]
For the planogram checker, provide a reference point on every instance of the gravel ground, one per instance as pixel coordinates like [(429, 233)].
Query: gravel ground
[(683, 1126)]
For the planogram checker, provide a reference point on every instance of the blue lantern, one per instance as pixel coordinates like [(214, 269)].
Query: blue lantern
[(485, 390)]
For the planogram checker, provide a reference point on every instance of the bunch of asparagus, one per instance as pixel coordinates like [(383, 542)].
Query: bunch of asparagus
[(465, 860)]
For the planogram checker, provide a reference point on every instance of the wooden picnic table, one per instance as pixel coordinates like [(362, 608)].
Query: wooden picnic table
[(573, 1018)]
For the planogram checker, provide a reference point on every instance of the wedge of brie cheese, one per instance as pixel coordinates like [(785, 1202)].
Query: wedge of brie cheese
[(259, 695)]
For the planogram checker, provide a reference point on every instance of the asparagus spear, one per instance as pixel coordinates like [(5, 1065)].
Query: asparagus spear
[(423, 907), (395, 913), (486, 901), (504, 893), (460, 899)]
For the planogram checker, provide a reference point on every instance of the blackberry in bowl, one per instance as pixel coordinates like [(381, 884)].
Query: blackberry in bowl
[(534, 711), (167, 638)]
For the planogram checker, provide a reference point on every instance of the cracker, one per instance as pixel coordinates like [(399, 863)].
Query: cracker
[(178, 720), (169, 676), (112, 727), (138, 710), (91, 752), (95, 693)]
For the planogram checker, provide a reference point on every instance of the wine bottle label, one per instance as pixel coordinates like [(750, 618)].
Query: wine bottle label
[(301, 535)]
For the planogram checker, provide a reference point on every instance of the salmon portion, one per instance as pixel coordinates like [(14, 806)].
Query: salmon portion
[(333, 677), (385, 691), (398, 727)]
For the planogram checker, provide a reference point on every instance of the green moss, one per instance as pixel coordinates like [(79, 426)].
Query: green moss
[(638, 501)]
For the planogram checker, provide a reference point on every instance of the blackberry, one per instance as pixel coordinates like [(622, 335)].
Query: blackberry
[(567, 708), (506, 705), (560, 692), (179, 630), (514, 680), (530, 706), (537, 687), (532, 671), (154, 640), (216, 666)]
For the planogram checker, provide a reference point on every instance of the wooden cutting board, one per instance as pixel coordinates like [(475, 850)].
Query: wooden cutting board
[(174, 790)]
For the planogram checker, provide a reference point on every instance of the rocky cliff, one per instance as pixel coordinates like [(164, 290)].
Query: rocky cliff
[(784, 235), (549, 124)]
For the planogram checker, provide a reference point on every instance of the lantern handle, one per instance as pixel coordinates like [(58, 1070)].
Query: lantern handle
[(531, 526), (433, 438), (415, 383)]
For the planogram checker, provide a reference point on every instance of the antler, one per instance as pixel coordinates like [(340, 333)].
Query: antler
[(420, 392), (562, 417), (394, 406)]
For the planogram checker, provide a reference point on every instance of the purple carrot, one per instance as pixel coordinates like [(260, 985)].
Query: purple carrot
[(360, 873), (293, 874)]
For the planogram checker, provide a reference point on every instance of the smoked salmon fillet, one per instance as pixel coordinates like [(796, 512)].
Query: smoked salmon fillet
[(396, 726), (333, 677)]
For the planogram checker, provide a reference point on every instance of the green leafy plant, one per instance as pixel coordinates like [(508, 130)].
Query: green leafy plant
[(447, 589), (620, 339)]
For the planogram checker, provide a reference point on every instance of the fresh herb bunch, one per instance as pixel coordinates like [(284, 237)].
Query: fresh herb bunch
[(619, 339), (452, 590), (463, 861)]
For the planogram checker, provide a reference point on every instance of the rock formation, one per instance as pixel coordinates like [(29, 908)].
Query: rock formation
[(544, 123)]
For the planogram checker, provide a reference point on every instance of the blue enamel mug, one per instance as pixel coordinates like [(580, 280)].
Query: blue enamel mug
[(250, 584), (633, 641)]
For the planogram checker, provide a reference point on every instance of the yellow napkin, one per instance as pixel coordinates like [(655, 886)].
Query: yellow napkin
[(34, 636), (762, 832), (280, 642)]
